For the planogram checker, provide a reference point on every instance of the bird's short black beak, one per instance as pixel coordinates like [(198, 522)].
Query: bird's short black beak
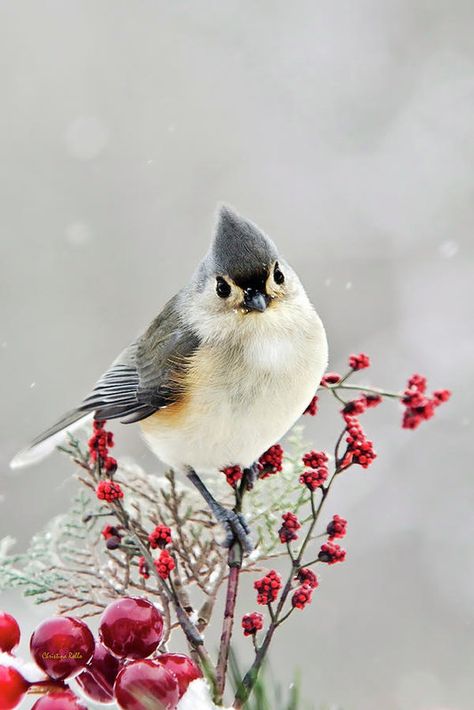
[(255, 300)]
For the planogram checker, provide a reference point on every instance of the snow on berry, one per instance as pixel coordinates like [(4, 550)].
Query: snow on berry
[(164, 564), (331, 553), (109, 491), (302, 596), (251, 623), (268, 587), (336, 528), (289, 527), (271, 461), (160, 537), (359, 362)]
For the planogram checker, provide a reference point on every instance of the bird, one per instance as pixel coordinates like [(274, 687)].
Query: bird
[(221, 374)]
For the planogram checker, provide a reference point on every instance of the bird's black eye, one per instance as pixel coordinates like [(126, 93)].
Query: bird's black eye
[(222, 287), (278, 275)]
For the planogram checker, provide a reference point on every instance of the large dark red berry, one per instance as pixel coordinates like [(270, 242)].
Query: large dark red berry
[(64, 700), (183, 668), (9, 632), (131, 627), (12, 687), (97, 680), (62, 646), (146, 684)]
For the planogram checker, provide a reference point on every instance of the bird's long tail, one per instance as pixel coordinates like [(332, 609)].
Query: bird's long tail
[(46, 442)]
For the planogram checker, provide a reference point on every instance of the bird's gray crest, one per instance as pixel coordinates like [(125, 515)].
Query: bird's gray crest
[(240, 248)]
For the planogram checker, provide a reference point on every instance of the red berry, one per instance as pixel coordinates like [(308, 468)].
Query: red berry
[(9, 632), (62, 646), (143, 684), (131, 627), (12, 687), (312, 408), (251, 623), (164, 564), (330, 378), (268, 587), (359, 362), (97, 680), (183, 668), (109, 491), (63, 700), (302, 596), (233, 474), (160, 537)]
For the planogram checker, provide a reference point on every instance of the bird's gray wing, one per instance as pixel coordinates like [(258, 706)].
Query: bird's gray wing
[(145, 377)]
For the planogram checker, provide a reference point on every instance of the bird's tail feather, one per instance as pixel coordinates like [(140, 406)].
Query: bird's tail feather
[(46, 442)]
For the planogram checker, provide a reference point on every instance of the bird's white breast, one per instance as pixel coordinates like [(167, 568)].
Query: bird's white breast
[(244, 393)]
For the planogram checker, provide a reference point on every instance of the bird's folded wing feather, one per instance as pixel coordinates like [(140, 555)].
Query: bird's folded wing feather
[(145, 377)]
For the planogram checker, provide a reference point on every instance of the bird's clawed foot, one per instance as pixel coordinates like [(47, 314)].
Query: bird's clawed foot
[(235, 527)]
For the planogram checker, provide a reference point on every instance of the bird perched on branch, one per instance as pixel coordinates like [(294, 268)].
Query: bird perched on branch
[(222, 372)]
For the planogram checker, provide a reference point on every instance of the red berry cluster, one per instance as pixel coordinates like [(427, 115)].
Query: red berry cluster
[(315, 459), (110, 669), (359, 362), (331, 553), (233, 475), (164, 564), (419, 407), (251, 623), (109, 491), (290, 525), (268, 587), (271, 461), (330, 378), (302, 596), (336, 528), (99, 444), (318, 473), (314, 479), (359, 449), (307, 576), (143, 568), (312, 408), (160, 537)]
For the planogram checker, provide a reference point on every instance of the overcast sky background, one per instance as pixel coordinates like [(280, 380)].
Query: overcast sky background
[(346, 130)]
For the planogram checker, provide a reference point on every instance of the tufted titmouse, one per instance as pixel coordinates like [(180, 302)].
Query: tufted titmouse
[(222, 372)]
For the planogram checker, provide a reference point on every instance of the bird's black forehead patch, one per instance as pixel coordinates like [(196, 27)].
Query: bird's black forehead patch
[(255, 280)]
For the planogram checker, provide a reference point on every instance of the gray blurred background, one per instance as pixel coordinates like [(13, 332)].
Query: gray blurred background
[(346, 130)]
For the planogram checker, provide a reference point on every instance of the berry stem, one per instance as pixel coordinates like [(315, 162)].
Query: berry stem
[(193, 637), (234, 562), (277, 619), (361, 388)]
